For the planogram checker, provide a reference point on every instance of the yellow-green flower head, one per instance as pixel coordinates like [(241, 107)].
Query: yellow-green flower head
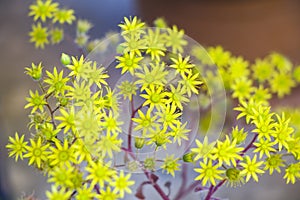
[(109, 144), (35, 71), (209, 173), (203, 149), (81, 40), (134, 43), (57, 35), (262, 95), (227, 152), (182, 65), (49, 132), (132, 26), (296, 73), (16, 146), (42, 9), (292, 172), (149, 163), (145, 122), (156, 75), (262, 70), (191, 83), (61, 176), (155, 44), (36, 101), (39, 35), (83, 26), (264, 147), (175, 39), (56, 82), (219, 56), (274, 162), (129, 62), (177, 96), (238, 67), (282, 132), (251, 168), (242, 88), (280, 62), (107, 194), (100, 173), (154, 97), (85, 193), (63, 16), (282, 83), (37, 152), (128, 89), (122, 184), (61, 194), (169, 116), (238, 134), (179, 132), (62, 153), (170, 165)]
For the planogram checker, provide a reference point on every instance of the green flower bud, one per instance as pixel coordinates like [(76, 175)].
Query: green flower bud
[(233, 174), (139, 142), (188, 157), (160, 23), (65, 59), (149, 163)]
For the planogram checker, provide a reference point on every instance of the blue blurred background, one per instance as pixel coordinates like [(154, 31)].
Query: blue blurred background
[(249, 28)]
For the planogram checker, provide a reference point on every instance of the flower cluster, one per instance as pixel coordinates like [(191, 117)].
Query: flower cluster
[(81, 126), (48, 20)]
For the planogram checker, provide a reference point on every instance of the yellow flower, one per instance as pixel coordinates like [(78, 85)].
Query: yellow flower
[(264, 147), (203, 149), (99, 173), (251, 168), (36, 101), (17, 146), (129, 62), (42, 9), (39, 35), (155, 97), (132, 26), (61, 194), (145, 122), (208, 173), (169, 116), (175, 39), (37, 152), (227, 152), (122, 184), (292, 172), (107, 194), (63, 16), (62, 154), (170, 165), (182, 65)]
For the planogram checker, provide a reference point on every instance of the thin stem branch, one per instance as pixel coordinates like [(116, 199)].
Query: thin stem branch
[(148, 175)]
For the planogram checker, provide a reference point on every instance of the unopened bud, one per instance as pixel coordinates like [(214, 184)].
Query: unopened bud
[(139, 142), (65, 59)]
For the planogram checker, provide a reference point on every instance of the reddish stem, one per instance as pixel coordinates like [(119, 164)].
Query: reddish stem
[(148, 175)]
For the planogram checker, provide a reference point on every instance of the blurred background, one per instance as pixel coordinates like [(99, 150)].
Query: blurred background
[(251, 28)]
